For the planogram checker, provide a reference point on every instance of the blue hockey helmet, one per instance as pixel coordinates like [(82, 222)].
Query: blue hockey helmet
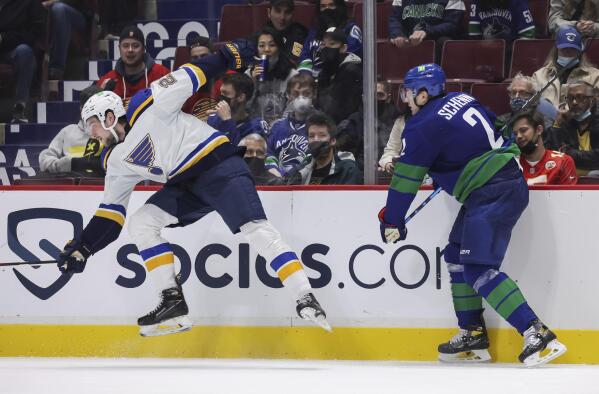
[(429, 77)]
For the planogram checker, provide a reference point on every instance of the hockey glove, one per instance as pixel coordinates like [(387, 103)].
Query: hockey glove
[(390, 233), (73, 257), (239, 53)]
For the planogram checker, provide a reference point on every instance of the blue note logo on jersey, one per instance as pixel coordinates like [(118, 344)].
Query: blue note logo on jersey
[(144, 155)]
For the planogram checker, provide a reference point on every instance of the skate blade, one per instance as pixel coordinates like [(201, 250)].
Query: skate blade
[(170, 326), (321, 321), (471, 356), (553, 350)]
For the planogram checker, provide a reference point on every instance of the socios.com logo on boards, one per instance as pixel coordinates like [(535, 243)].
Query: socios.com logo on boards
[(15, 245), (313, 256)]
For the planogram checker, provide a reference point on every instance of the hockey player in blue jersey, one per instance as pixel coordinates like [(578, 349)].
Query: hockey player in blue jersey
[(450, 137), (202, 172)]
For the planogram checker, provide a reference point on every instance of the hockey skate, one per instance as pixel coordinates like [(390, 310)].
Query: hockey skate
[(540, 345), (169, 317), (469, 345), (308, 308)]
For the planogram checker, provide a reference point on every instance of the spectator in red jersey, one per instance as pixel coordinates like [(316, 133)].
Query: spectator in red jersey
[(541, 166), (135, 70)]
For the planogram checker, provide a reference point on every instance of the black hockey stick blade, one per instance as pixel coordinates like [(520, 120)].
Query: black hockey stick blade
[(28, 263)]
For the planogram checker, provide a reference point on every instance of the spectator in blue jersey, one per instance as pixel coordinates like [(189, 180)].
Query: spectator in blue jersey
[(280, 18), (340, 81), (414, 21), (288, 138), (330, 13), (500, 19), (22, 22), (65, 16), (580, 14), (255, 157), (230, 116), (270, 83), (325, 165)]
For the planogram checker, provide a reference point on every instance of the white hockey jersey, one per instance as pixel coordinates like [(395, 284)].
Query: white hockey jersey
[(163, 142)]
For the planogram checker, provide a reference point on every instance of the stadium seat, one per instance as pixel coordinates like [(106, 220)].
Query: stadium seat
[(493, 96), (393, 63), (479, 60), (383, 10), (236, 22), (592, 50), (305, 14), (454, 87), (540, 15), (529, 55)]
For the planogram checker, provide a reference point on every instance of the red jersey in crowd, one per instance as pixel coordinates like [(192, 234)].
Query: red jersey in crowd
[(554, 168)]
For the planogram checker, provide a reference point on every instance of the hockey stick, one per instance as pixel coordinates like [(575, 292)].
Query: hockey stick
[(422, 204), (32, 263)]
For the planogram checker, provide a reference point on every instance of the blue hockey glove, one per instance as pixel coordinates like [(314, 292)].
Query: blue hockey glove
[(390, 233), (73, 257), (239, 53)]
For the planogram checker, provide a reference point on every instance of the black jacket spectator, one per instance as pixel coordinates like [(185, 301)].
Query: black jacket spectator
[(21, 22), (566, 140)]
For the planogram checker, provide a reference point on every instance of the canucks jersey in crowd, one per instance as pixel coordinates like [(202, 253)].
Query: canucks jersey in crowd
[(500, 19), (436, 17), (452, 139), (287, 144)]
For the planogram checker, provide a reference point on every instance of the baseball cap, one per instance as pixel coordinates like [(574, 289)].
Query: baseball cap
[(133, 32), (277, 3), (568, 37), (336, 34)]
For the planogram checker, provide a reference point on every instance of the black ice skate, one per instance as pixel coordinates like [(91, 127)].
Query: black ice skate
[(537, 339), (469, 345), (308, 308), (170, 316)]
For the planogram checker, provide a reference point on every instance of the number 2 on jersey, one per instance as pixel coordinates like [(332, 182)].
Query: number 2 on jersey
[(470, 115)]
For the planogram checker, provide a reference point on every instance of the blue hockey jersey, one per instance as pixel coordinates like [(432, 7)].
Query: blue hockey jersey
[(287, 145), (510, 23), (436, 17), (453, 140)]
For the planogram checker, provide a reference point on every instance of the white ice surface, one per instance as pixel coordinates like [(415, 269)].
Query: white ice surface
[(166, 376)]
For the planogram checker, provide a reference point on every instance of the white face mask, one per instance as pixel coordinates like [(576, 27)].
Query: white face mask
[(302, 104)]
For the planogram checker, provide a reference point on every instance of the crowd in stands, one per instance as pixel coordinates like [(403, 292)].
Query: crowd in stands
[(298, 110)]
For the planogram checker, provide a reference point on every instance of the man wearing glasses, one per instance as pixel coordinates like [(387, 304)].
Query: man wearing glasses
[(576, 128)]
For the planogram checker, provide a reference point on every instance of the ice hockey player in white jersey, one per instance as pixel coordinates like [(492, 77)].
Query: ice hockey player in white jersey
[(201, 172)]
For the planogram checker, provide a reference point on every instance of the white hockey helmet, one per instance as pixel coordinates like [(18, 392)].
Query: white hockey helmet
[(99, 104)]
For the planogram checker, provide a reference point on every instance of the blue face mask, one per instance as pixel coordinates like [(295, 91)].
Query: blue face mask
[(583, 116), (517, 103), (564, 60)]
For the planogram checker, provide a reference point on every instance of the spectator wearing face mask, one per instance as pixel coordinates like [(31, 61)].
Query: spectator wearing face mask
[(567, 54), (288, 138), (230, 116), (576, 128), (521, 89), (72, 150), (330, 14), (254, 156), (340, 82), (540, 166), (325, 165), (270, 82)]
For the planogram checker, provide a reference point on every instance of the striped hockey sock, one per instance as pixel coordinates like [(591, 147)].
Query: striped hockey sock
[(468, 305), (160, 263)]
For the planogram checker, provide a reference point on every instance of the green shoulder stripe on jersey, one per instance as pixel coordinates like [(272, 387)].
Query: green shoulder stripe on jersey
[(479, 170), (407, 178)]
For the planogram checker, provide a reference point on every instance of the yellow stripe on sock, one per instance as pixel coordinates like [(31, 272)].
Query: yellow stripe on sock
[(157, 261), (111, 215), (288, 269)]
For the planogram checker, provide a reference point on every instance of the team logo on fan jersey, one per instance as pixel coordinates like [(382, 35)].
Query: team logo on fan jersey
[(550, 164), (144, 155)]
